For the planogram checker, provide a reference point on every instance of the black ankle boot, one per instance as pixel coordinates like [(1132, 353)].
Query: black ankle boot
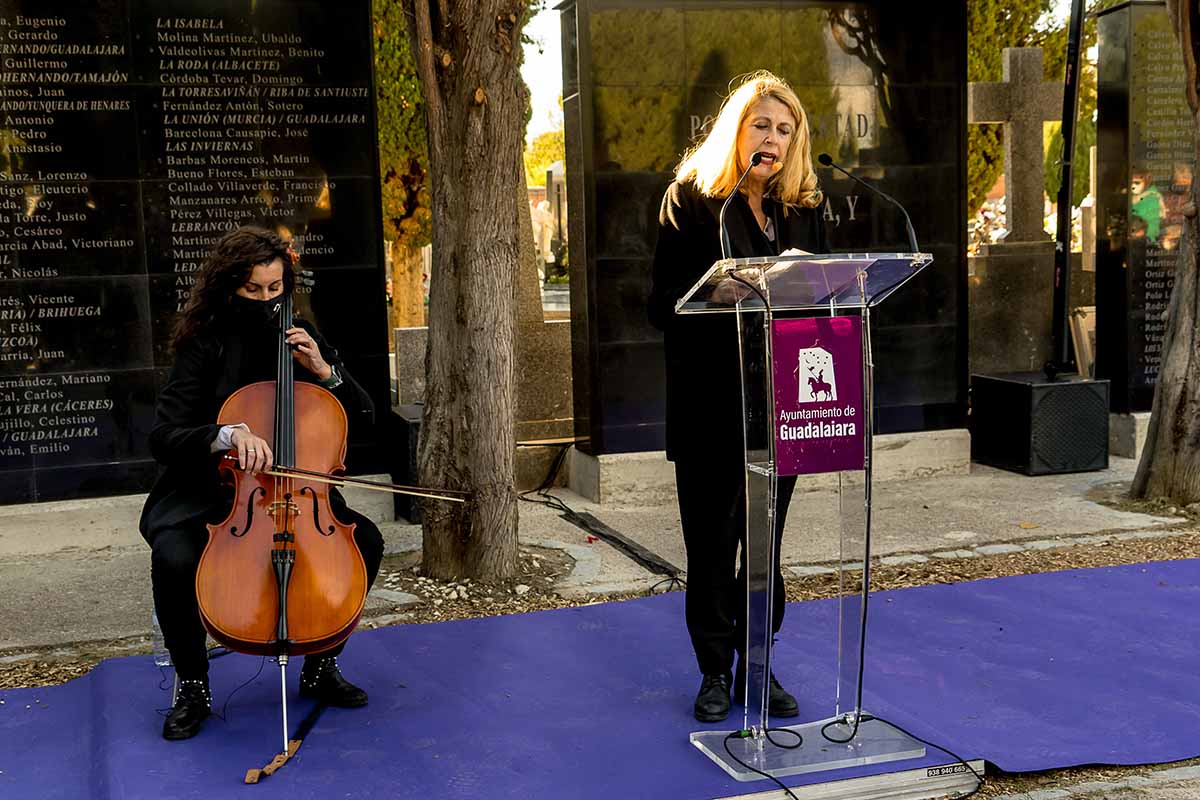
[(712, 702), (193, 703), (780, 702), (321, 680)]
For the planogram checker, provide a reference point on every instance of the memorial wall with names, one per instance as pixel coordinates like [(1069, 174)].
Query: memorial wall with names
[(133, 134), (1145, 160), (641, 83)]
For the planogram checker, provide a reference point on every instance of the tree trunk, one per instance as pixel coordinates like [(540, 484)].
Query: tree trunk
[(468, 61), (408, 289), (1170, 463)]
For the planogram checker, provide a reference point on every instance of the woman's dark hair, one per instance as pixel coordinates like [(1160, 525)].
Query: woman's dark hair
[(226, 269)]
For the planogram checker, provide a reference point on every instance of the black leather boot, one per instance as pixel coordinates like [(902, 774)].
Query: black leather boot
[(780, 702), (712, 702), (321, 680), (193, 703)]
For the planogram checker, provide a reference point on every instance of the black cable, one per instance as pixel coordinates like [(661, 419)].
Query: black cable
[(673, 582), (850, 738), (219, 651), (225, 707), (796, 746), (926, 742), (646, 559), (162, 712), (543, 489), (746, 735), (761, 296), (866, 718)]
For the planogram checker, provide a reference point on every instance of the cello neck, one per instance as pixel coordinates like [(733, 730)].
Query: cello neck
[(285, 393)]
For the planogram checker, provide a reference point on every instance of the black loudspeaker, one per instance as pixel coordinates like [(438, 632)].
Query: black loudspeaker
[(1025, 423), (406, 428)]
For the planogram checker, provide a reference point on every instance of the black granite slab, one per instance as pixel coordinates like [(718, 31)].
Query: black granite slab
[(885, 92), (74, 325), (136, 133), (1145, 132)]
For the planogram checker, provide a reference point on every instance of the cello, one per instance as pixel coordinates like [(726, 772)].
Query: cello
[(281, 575)]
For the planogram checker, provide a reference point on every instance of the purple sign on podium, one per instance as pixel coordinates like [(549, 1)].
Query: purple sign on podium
[(818, 395)]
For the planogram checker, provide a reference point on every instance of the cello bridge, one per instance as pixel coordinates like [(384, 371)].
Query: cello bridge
[(286, 506)]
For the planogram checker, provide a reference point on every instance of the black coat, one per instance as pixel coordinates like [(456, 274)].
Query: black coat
[(209, 368), (704, 402)]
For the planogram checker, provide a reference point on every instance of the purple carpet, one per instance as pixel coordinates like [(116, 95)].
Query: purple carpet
[(1031, 673)]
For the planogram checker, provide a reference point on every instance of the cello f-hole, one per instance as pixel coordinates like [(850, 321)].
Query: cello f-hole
[(249, 513), (317, 513)]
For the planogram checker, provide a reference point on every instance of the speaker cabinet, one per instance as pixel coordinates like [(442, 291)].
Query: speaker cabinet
[(1025, 423), (406, 428)]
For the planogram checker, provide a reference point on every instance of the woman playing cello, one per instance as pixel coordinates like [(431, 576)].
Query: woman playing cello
[(224, 341)]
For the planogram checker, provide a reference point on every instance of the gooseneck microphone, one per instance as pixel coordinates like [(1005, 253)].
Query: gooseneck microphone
[(825, 160), (755, 160)]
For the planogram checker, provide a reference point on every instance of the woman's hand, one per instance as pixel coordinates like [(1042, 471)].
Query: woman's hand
[(254, 454), (730, 290), (305, 351)]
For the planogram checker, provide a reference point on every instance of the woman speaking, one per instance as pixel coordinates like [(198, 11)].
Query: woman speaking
[(777, 208)]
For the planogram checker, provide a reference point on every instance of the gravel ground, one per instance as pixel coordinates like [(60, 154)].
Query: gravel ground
[(538, 569), (999, 784)]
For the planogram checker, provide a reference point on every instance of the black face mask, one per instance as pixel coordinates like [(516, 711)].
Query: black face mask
[(255, 313)]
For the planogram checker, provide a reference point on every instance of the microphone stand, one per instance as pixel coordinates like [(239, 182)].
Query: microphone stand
[(755, 160), (825, 160)]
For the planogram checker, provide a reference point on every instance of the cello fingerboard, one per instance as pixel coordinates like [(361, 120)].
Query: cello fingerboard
[(285, 395)]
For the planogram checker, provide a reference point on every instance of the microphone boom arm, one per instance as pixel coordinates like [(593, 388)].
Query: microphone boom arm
[(825, 160), (755, 160)]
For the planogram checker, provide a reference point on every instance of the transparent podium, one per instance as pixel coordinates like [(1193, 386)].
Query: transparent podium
[(804, 336)]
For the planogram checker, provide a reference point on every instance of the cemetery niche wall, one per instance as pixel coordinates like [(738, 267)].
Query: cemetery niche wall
[(1145, 160), (885, 92), (135, 133)]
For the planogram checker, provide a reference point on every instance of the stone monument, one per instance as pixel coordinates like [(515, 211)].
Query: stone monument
[(134, 136), (1011, 281), (1145, 158)]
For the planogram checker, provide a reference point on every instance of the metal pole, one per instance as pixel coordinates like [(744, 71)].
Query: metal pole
[(283, 661), (1063, 359)]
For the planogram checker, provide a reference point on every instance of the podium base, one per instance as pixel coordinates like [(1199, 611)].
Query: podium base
[(876, 742)]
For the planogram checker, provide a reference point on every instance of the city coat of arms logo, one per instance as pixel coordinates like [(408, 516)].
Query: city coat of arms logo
[(816, 376)]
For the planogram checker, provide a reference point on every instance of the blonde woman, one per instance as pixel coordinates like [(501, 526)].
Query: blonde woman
[(778, 207)]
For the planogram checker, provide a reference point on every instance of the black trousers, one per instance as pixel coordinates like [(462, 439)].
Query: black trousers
[(174, 558), (712, 510)]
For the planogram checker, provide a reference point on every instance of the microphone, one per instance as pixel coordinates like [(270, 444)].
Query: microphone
[(825, 160), (755, 160)]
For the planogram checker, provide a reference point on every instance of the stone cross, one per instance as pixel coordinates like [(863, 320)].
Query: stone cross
[(1022, 101)]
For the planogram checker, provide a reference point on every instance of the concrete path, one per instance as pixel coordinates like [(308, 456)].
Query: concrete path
[(987, 511), (78, 570)]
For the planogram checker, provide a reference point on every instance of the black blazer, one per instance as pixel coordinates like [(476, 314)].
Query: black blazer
[(704, 402), (208, 369)]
